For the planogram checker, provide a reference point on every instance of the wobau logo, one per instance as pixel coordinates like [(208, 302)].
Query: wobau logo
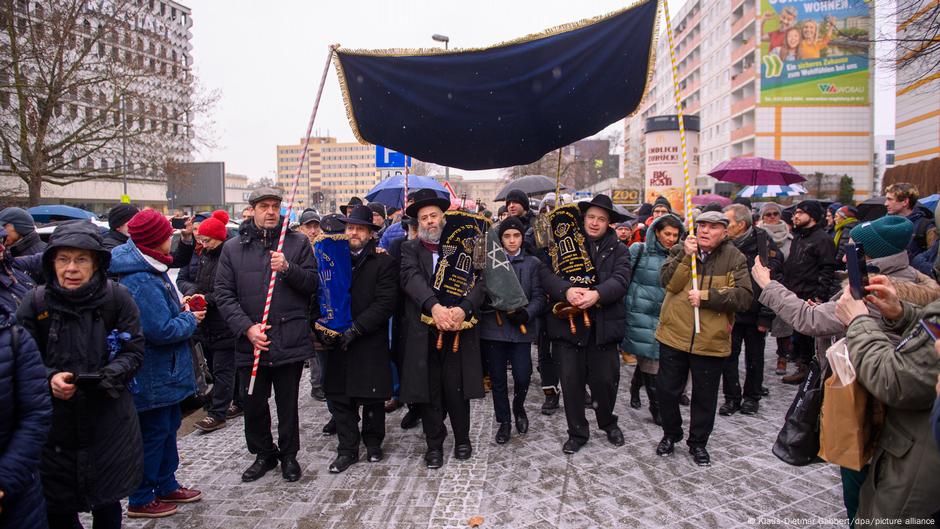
[(831, 88)]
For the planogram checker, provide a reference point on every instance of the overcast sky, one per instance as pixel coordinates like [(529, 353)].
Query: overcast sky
[(266, 58)]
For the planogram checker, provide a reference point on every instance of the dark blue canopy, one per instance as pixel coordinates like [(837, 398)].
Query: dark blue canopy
[(505, 105)]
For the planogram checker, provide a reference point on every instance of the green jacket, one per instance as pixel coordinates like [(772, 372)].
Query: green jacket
[(726, 288), (904, 477)]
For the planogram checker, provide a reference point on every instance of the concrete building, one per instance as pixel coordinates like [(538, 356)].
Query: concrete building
[(477, 189), (917, 108), (158, 45), (720, 56), (333, 172), (883, 160), (236, 192)]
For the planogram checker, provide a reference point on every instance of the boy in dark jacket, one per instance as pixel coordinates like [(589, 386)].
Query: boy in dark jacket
[(503, 341)]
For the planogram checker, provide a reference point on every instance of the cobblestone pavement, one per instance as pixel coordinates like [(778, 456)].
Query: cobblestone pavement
[(525, 483)]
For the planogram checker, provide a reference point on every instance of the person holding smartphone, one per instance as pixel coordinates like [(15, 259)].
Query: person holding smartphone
[(71, 317), (166, 375), (902, 376)]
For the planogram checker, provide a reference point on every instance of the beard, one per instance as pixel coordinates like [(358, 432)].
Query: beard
[(428, 236)]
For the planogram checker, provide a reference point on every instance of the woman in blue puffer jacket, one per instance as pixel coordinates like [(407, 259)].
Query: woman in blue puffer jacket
[(25, 417), (644, 299)]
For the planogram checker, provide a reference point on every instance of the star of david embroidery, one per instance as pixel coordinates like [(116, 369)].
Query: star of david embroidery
[(498, 262)]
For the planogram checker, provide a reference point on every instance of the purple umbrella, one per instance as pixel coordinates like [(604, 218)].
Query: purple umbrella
[(756, 171), (706, 199)]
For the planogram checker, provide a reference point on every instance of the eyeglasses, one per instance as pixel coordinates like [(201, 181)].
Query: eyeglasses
[(203, 240), (772, 214)]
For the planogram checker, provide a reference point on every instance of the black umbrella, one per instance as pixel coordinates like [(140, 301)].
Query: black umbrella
[(871, 209), (533, 184)]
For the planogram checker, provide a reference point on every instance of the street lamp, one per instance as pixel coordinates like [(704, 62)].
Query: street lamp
[(437, 37), (441, 38)]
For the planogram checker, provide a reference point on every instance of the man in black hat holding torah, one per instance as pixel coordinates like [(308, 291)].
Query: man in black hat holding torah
[(586, 285), (442, 366)]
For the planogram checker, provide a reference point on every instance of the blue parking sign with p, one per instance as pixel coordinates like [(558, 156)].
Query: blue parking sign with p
[(385, 157)]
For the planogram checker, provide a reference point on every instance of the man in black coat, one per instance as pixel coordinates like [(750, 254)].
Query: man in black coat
[(809, 272), (241, 286), (438, 380), (118, 217), (590, 355), (358, 372), (751, 326)]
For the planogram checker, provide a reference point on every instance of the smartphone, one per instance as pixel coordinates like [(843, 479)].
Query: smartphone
[(197, 303), (87, 378), (178, 223), (932, 328), (858, 272)]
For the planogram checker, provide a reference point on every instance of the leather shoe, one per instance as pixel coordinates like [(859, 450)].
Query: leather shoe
[(750, 407), (684, 400), (330, 427), (463, 452), (503, 434), (410, 420), (434, 458), (666, 447), (700, 456), (522, 423), (374, 454), (261, 466), (730, 407), (290, 469), (341, 463), (615, 436), (571, 446)]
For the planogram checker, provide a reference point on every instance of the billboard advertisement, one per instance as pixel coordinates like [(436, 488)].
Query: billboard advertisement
[(814, 53), (664, 159)]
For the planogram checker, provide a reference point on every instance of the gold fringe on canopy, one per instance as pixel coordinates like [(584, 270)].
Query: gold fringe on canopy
[(556, 30)]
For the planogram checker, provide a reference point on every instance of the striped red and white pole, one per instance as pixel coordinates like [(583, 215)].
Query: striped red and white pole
[(290, 206), (687, 202)]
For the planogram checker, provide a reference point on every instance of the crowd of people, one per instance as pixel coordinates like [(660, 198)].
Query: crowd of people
[(99, 348)]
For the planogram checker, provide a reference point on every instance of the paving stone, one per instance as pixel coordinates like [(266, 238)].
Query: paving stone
[(527, 482)]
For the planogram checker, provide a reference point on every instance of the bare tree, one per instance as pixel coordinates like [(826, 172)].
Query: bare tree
[(916, 44), (82, 94), (583, 164)]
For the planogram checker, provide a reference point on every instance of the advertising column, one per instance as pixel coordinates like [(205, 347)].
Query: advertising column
[(664, 158)]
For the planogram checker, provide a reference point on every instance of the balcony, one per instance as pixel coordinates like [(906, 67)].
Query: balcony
[(689, 26), (741, 79), (745, 104), (743, 22), (689, 47), (689, 90), (744, 49), (689, 68), (743, 132)]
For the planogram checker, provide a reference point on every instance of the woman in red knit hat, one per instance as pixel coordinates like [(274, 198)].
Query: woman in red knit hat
[(195, 281), (166, 375)]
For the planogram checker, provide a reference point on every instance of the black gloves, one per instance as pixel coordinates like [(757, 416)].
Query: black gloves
[(518, 317), (351, 334)]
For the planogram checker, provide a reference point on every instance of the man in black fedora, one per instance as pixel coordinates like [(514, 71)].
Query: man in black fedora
[(353, 202), (438, 381), (589, 356), (358, 374)]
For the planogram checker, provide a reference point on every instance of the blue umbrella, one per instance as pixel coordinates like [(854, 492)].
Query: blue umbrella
[(391, 191), (43, 214), (930, 202)]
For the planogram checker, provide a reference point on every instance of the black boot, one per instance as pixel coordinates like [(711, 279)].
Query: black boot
[(635, 384), (652, 393)]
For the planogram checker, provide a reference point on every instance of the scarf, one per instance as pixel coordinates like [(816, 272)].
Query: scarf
[(78, 296), (431, 246), (839, 228), (164, 258), (778, 232)]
